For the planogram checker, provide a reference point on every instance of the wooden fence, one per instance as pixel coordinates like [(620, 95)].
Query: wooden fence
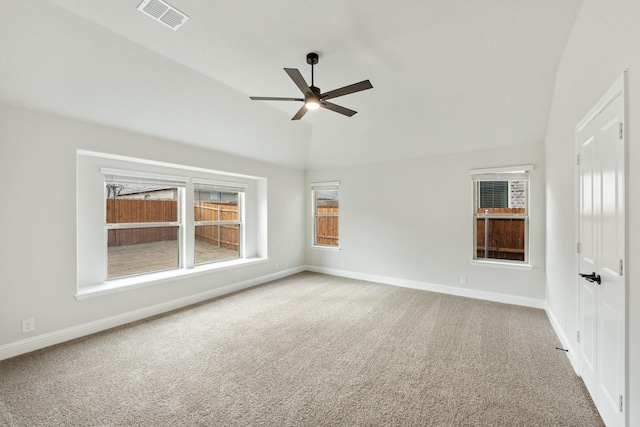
[(121, 211), (133, 211), (506, 235), (227, 235), (327, 226)]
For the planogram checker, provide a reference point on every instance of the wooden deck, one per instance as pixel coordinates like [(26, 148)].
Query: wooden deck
[(128, 260)]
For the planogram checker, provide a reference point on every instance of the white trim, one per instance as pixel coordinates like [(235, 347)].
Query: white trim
[(326, 248), (431, 287), (57, 337), (162, 164), (507, 169), (139, 174), (125, 225), (616, 89), (315, 185), (564, 341), (516, 265), (149, 279), (237, 186)]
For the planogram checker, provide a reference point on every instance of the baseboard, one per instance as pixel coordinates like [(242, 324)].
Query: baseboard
[(564, 340), (57, 337), (443, 289)]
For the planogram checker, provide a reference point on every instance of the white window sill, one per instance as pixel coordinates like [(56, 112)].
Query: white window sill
[(144, 280), (503, 264), (326, 248)]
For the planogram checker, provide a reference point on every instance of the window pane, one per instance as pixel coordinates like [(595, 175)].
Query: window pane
[(217, 243), (130, 203), (215, 206), (327, 202), (493, 194), (141, 250), (327, 230), (327, 209), (500, 238), (500, 195)]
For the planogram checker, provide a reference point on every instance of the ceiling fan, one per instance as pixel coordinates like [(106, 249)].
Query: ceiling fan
[(313, 98)]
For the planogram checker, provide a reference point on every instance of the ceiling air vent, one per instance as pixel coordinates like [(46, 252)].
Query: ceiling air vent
[(163, 12)]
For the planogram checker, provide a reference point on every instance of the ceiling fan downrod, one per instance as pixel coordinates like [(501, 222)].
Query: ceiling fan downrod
[(312, 59)]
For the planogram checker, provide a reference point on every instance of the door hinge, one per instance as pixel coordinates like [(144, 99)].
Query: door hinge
[(578, 247), (578, 160), (621, 268), (621, 404), (578, 336), (621, 127)]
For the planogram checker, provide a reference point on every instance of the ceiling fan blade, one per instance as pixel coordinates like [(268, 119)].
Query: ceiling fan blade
[(298, 80), (356, 87), (301, 112), (337, 108), (270, 98)]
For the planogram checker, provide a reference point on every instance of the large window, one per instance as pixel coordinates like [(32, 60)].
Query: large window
[(501, 214), (142, 222), (326, 210), (145, 230)]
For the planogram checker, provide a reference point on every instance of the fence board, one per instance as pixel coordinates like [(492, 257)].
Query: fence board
[(227, 235), (122, 211), (327, 230), (506, 239)]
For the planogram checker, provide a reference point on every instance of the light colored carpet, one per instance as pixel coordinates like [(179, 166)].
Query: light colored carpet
[(307, 350)]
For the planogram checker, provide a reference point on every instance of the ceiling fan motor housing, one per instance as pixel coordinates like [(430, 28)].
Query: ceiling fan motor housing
[(315, 91), (312, 58)]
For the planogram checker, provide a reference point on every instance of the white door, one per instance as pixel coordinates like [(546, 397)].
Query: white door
[(587, 254), (601, 259)]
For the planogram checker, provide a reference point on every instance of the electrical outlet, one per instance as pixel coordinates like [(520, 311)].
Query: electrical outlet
[(463, 280), (28, 325), (276, 266), (342, 264)]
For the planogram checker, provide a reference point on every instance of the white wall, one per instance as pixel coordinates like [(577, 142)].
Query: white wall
[(412, 220), (604, 42), (38, 217)]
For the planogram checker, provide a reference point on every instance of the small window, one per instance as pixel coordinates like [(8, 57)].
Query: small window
[(501, 214), (218, 223), (143, 225), (326, 210)]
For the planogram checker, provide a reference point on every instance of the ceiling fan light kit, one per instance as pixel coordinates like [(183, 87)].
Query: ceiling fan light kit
[(313, 97)]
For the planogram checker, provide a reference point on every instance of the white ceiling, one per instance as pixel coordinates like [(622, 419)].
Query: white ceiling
[(448, 75)]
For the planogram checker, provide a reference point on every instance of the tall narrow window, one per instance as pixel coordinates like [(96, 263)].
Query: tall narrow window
[(218, 222), (143, 225), (501, 214), (326, 210)]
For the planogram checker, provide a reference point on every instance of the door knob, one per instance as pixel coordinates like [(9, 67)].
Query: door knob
[(593, 277)]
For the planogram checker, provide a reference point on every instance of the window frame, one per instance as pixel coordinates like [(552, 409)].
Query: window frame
[(315, 188), (91, 253), (502, 174), (126, 176), (222, 187)]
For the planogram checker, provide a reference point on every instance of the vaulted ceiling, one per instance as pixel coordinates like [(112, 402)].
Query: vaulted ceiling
[(448, 75)]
